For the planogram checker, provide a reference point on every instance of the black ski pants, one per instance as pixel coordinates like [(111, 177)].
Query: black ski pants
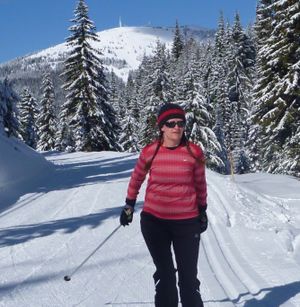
[(184, 235)]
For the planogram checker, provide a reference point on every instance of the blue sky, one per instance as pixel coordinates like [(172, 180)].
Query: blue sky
[(31, 25)]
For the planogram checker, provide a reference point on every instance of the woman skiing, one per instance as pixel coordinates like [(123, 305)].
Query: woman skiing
[(174, 210)]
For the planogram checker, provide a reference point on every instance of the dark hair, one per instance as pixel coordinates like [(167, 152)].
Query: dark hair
[(159, 142)]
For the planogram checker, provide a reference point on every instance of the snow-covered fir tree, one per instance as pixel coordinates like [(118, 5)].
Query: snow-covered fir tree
[(28, 112), (88, 117), (64, 138), (178, 44), (116, 87), (221, 102), (262, 31), (46, 120), (291, 164), (229, 83), (155, 90), (129, 137), (136, 98), (190, 73), (217, 91), (241, 69), (9, 124), (278, 86)]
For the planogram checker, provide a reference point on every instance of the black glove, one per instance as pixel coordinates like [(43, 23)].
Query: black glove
[(126, 215), (203, 218)]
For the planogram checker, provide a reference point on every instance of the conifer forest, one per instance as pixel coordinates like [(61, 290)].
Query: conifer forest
[(240, 91)]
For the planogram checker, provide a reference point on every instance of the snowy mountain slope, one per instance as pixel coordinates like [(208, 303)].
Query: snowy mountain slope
[(250, 255), (123, 48)]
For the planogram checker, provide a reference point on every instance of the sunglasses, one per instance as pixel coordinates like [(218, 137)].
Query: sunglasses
[(179, 124)]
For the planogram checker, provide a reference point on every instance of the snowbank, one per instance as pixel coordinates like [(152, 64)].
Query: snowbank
[(18, 162)]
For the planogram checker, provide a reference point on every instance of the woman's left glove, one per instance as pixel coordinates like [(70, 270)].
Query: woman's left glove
[(203, 219)]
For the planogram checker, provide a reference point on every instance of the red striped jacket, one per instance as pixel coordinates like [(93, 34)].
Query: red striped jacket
[(176, 184)]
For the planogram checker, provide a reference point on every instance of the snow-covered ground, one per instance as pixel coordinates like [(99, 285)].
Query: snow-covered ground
[(51, 221)]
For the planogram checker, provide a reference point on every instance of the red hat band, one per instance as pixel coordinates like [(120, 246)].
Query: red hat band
[(170, 112)]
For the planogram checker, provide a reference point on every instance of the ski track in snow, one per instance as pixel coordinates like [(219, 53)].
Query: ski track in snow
[(244, 284), (223, 256), (63, 206), (64, 225), (221, 266), (24, 202)]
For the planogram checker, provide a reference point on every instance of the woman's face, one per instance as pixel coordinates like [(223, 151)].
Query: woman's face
[(172, 135)]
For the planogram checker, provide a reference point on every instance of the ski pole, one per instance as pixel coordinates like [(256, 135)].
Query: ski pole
[(68, 277)]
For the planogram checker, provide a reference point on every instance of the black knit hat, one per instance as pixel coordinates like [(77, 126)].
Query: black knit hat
[(169, 111)]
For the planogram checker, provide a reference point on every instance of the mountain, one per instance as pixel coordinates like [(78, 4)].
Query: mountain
[(123, 49)]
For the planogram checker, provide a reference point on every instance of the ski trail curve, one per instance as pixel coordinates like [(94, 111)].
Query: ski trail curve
[(235, 275), (229, 268)]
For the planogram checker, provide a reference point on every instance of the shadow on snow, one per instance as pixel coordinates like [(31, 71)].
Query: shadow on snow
[(68, 176), (274, 297), (63, 177), (36, 280), (23, 233)]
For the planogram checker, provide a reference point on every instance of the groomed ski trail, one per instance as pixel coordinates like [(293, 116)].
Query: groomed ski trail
[(48, 232)]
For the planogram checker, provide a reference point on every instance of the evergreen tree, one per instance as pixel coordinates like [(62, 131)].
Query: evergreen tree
[(291, 150), (155, 90), (241, 67), (222, 117), (197, 115), (88, 118), (9, 124), (254, 145), (218, 93), (264, 22), (278, 88), (177, 43), (115, 91), (46, 119), (220, 38), (262, 30), (27, 118), (129, 119), (129, 138), (160, 80), (64, 140), (181, 66)]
